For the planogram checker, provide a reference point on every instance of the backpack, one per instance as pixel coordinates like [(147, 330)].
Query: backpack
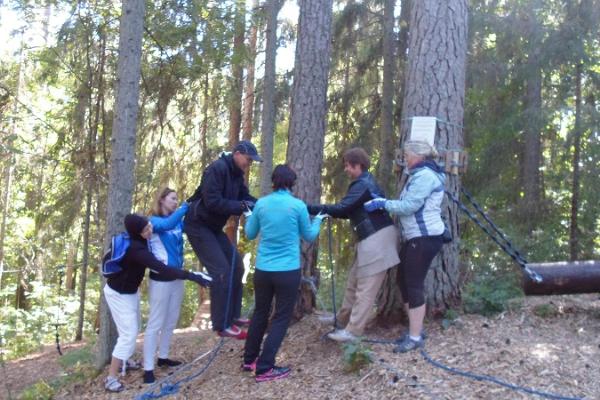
[(111, 262)]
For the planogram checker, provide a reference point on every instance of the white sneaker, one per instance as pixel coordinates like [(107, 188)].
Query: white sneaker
[(326, 319), (112, 384), (341, 335)]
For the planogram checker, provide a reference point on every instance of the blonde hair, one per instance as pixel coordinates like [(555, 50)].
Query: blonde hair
[(420, 148), (160, 195)]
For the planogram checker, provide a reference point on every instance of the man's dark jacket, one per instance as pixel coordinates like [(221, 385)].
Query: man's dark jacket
[(220, 195), (361, 190)]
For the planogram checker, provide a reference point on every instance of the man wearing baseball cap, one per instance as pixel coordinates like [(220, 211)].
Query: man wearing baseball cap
[(221, 194)]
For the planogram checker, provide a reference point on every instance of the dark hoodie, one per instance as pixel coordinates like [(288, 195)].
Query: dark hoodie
[(137, 258), (218, 197)]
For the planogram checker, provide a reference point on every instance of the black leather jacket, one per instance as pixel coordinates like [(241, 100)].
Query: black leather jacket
[(219, 195), (361, 190)]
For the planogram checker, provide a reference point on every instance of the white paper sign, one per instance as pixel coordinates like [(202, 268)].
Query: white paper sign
[(423, 129)]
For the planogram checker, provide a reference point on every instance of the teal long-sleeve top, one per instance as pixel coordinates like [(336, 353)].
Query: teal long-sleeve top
[(281, 220)]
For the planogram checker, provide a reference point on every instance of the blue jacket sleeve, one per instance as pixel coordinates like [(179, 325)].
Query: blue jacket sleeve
[(163, 224), (308, 230), (252, 226)]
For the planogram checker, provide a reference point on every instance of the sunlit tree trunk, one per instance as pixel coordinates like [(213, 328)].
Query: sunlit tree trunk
[(122, 165), (308, 118), (269, 112)]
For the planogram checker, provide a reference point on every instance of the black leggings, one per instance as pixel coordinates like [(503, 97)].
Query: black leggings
[(415, 259), (283, 286)]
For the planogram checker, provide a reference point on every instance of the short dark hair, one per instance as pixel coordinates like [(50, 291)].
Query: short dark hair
[(283, 177), (357, 155)]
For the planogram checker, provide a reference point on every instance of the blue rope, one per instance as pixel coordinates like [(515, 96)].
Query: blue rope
[(168, 389), (495, 380)]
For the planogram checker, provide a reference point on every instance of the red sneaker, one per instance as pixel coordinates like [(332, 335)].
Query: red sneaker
[(234, 332), (273, 374), (241, 321)]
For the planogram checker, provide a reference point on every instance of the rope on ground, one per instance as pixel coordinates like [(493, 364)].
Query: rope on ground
[(495, 380)]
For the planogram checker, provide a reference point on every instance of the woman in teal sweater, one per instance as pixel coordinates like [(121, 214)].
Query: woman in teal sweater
[(282, 220)]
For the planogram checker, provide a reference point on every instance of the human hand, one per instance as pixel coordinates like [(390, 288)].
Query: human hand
[(322, 216), (375, 204), (247, 213), (200, 278), (247, 205)]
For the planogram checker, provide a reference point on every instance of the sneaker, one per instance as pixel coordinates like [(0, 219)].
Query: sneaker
[(149, 377), (341, 335), (249, 367), (408, 344), (273, 374), (405, 335), (326, 319), (234, 332), (241, 322), (166, 362), (132, 365), (112, 384)]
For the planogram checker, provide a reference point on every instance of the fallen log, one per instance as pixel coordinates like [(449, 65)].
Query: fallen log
[(565, 277)]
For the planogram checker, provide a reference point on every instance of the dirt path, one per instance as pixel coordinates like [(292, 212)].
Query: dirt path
[(558, 354)]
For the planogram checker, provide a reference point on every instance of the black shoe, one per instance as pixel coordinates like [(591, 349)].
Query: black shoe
[(149, 376), (166, 362)]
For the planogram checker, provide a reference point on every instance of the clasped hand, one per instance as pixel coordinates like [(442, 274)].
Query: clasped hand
[(375, 204)]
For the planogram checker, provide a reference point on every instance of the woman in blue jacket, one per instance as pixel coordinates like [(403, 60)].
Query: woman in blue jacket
[(281, 220), (419, 208), (164, 294)]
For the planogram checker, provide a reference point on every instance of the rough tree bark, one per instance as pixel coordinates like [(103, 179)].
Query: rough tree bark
[(122, 161), (434, 86), (574, 226), (308, 117), (268, 117)]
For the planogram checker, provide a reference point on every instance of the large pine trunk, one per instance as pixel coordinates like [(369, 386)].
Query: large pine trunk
[(268, 113), (122, 164), (308, 117), (574, 226), (434, 86)]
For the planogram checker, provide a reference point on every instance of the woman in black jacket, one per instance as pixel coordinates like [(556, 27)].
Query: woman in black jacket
[(122, 296)]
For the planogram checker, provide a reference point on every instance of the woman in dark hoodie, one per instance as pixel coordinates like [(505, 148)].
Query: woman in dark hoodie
[(122, 296)]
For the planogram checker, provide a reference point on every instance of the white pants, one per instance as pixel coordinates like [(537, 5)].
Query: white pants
[(165, 300), (125, 310)]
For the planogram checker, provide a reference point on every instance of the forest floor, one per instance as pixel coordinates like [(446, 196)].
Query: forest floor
[(551, 344)]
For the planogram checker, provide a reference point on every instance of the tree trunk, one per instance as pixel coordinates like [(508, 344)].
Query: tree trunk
[(306, 133), (532, 117), (121, 178), (268, 117), (574, 228), (435, 86), (248, 104), (386, 142)]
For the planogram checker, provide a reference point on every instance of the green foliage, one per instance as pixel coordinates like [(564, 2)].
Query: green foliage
[(356, 356), (545, 310), (489, 295), (39, 391)]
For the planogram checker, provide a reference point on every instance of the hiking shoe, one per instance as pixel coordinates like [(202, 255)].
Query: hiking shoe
[(166, 362), (405, 335), (341, 335), (149, 376), (273, 374), (112, 384), (249, 367), (408, 344), (241, 322)]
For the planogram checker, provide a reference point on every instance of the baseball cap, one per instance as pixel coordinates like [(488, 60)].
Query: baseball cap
[(246, 147)]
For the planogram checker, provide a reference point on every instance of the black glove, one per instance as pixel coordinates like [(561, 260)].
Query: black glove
[(247, 205), (200, 278), (314, 209)]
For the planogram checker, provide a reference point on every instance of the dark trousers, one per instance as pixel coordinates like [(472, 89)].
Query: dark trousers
[(284, 287), (215, 251), (416, 256)]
